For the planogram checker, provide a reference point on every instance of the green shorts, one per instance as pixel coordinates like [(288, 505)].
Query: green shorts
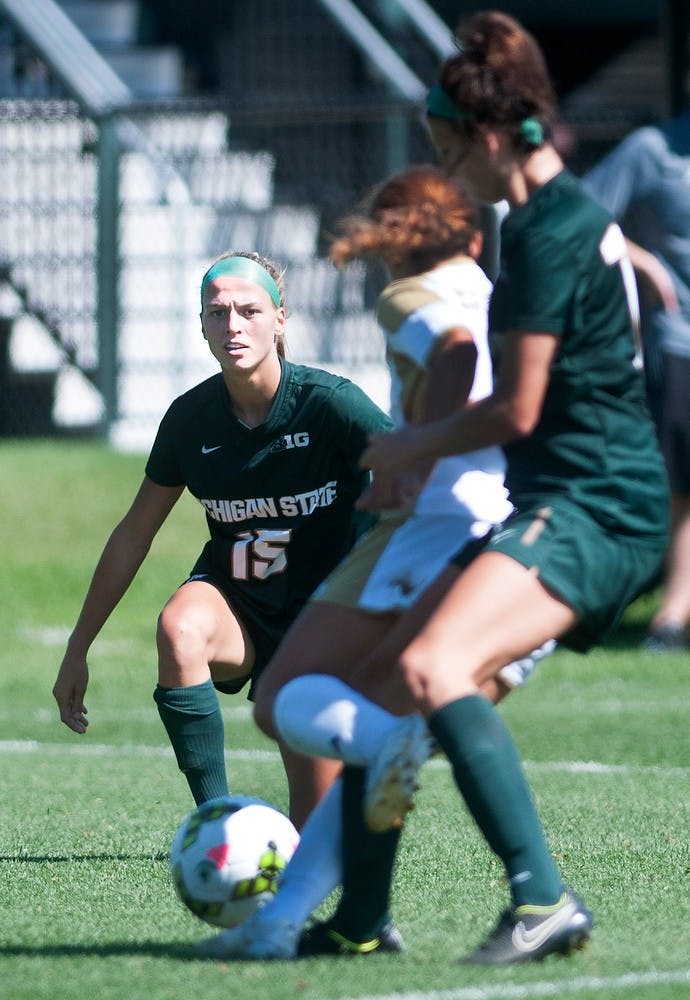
[(265, 630), (595, 572)]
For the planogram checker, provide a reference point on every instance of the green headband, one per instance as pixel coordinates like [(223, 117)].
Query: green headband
[(440, 105), (243, 267)]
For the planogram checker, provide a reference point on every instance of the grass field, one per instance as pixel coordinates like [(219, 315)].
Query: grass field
[(87, 908)]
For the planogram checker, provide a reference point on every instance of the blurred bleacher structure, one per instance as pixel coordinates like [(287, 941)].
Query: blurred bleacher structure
[(109, 216)]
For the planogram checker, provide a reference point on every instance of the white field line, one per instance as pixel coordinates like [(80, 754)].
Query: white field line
[(594, 767), (545, 988), (83, 746), (50, 717)]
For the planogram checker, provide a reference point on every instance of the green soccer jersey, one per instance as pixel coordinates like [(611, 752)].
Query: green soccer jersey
[(564, 271), (279, 497)]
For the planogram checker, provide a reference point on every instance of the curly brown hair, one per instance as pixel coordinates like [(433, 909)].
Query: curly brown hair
[(417, 218), (499, 75)]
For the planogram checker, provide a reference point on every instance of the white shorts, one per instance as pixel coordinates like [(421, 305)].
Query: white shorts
[(385, 574), (384, 571), (415, 555)]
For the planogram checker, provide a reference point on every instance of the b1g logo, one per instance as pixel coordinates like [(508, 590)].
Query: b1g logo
[(288, 441)]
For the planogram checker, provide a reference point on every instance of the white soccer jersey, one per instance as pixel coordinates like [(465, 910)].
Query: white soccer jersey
[(413, 313), (465, 496)]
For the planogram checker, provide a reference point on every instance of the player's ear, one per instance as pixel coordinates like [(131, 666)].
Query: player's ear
[(476, 244), (491, 140), (281, 316), (201, 320)]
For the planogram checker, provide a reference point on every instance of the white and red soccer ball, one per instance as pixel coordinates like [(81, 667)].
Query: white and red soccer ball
[(226, 857)]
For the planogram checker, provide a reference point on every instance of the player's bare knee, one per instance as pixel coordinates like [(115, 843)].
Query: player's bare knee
[(413, 668), (263, 715), (434, 676), (182, 648), (163, 636), (167, 631)]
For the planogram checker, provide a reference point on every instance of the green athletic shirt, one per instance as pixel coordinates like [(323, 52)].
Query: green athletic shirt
[(562, 273), (278, 497)]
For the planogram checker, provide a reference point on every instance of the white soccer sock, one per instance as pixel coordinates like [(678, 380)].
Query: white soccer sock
[(320, 716), (314, 870)]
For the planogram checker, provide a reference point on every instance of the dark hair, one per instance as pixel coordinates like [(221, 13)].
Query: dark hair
[(499, 76), (419, 217)]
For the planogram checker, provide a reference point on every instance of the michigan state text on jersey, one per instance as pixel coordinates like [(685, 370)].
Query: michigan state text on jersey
[(270, 450), (279, 498)]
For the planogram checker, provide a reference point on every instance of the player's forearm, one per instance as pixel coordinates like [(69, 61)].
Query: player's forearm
[(483, 425), (114, 572)]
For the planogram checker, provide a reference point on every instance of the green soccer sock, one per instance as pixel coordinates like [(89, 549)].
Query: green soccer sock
[(368, 862), (490, 778), (193, 721)]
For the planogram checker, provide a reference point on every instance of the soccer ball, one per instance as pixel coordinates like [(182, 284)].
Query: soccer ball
[(226, 857)]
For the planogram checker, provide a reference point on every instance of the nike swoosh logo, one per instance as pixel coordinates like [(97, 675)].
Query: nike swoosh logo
[(526, 940), (207, 451)]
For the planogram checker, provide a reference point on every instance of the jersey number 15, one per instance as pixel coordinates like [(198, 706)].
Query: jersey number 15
[(257, 555)]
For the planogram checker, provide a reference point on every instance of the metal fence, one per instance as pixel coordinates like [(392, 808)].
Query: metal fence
[(119, 354), (107, 227)]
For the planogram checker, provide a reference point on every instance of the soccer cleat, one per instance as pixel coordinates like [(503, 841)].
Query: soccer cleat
[(253, 939), (530, 933), (392, 777), (323, 939), (515, 674)]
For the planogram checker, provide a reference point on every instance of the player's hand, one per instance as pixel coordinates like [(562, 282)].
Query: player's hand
[(395, 493), (69, 690), (389, 454)]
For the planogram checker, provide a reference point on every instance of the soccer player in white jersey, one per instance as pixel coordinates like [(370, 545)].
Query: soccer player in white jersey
[(434, 317)]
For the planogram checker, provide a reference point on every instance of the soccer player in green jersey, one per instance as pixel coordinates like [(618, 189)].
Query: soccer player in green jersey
[(422, 226), (583, 467), (584, 472), (270, 450)]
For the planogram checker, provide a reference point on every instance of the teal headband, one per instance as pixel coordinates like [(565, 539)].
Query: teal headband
[(243, 267), (440, 105)]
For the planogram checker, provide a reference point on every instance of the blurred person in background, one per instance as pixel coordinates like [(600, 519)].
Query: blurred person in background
[(270, 450), (645, 184)]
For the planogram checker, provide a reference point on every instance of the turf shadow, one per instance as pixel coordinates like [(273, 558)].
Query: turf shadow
[(153, 949)]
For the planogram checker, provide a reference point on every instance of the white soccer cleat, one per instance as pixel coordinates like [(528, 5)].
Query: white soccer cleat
[(392, 778), (516, 673), (253, 939)]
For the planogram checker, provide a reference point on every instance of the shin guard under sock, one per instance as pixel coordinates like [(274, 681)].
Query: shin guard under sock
[(194, 723), (368, 863), (490, 778)]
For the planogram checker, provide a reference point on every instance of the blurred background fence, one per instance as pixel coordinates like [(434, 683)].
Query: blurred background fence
[(127, 165)]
